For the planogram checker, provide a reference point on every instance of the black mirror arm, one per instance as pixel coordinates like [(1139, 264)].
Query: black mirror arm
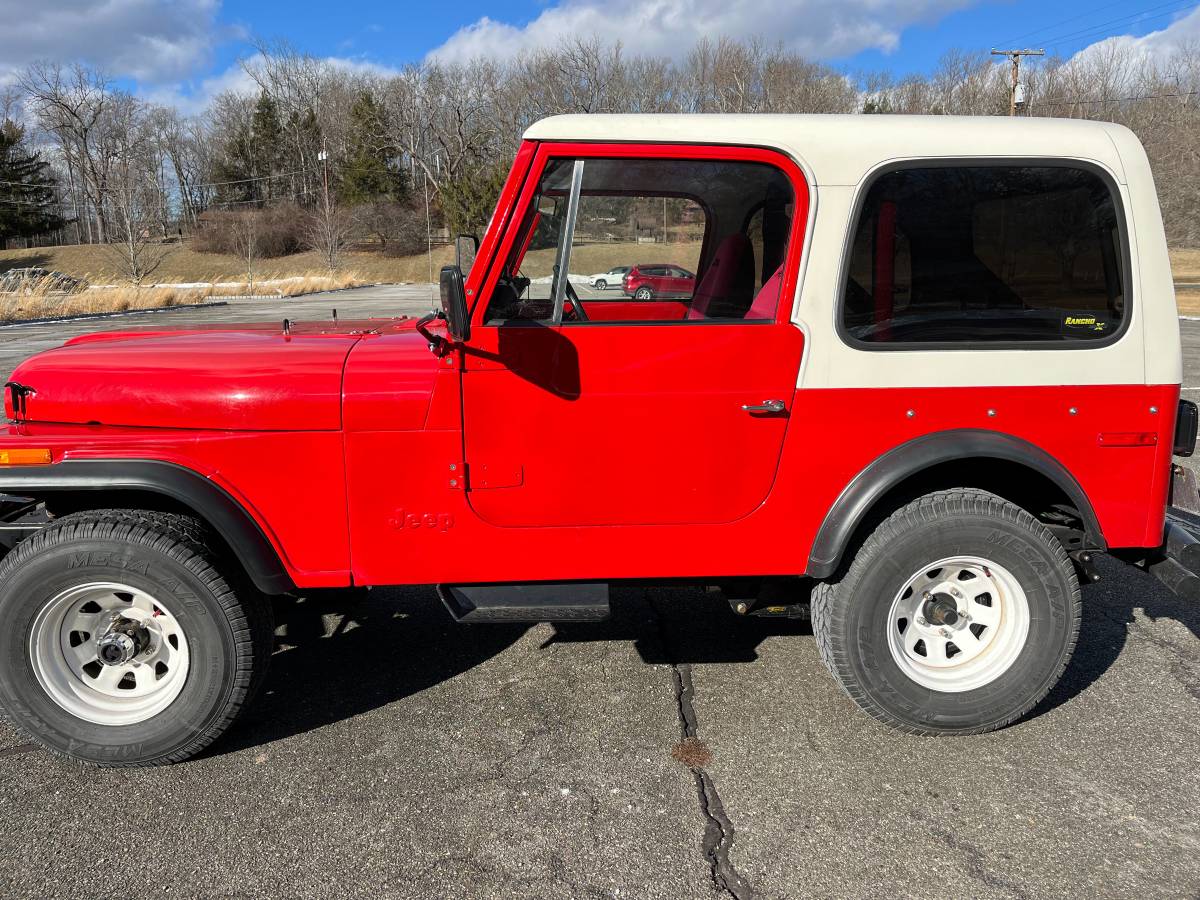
[(437, 344)]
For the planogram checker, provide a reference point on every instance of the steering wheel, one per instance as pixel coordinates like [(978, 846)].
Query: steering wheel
[(576, 306)]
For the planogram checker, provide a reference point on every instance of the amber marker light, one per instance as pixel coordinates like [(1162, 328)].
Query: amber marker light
[(25, 457)]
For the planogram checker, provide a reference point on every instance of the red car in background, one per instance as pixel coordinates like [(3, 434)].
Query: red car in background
[(652, 281)]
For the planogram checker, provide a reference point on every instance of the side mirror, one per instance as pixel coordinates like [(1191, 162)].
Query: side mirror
[(465, 248), (454, 304)]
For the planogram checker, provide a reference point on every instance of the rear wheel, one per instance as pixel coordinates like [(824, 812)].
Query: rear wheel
[(601, 284), (643, 293), (957, 615), (124, 643)]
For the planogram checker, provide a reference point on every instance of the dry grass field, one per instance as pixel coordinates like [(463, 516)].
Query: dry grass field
[(216, 275), (181, 264), (41, 299)]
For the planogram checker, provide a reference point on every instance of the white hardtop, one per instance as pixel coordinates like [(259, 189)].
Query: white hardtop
[(838, 154), (841, 149)]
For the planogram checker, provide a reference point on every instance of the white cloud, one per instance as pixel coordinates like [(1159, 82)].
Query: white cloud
[(193, 97), (147, 40), (1155, 45), (819, 29)]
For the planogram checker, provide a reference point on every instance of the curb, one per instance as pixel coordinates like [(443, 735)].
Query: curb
[(83, 317)]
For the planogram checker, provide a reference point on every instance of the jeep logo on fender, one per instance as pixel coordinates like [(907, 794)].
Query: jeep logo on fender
[(403, 520)]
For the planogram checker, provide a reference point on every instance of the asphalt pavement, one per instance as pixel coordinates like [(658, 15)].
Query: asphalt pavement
[(397, 754)]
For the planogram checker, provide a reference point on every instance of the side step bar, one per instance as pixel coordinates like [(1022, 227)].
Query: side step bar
[(526, 602)]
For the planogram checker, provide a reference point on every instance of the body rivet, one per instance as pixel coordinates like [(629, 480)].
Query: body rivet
[(1153, 410), (910, 413), (741, 608), (453, 467), (991, 412), (453, 482), (1072, 410)]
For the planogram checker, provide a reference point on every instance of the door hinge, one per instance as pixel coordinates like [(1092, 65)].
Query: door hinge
[(458, 476)]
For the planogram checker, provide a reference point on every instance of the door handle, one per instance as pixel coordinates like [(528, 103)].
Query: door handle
[(767, 406)]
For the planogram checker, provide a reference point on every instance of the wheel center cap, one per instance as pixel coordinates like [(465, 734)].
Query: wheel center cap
[(940, 609), (125, 640)]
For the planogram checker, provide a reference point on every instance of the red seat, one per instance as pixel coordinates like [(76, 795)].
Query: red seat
[(728, 282), (766, 301)]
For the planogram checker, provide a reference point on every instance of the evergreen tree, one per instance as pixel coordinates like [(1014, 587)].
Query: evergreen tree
[(372, 171), (27, 195), (234, 167), (250, 151), (467, 200), (267, 146)]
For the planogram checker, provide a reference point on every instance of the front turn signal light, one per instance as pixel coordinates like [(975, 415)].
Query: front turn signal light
[(25, 457)]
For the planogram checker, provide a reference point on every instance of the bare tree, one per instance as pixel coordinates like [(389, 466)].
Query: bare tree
[(70, 103), (243, 233), (328, 231), (132, 198)]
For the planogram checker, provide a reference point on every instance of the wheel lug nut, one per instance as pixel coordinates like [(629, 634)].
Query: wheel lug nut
[(921, 621), (945, 632)]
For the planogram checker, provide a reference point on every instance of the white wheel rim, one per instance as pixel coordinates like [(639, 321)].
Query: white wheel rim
[(958, 624), (64, 653)]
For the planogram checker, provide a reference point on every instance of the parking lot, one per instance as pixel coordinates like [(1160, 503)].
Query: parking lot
[(395, 753)]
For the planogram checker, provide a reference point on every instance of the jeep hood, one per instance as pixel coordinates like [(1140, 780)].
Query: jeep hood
[(234, 378)]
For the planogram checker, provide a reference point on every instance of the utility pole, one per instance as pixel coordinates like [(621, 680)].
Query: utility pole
[(1015, 56), (323, 156)]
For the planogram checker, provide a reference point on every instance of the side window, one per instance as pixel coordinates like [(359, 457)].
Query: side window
[(693, 241), (986, 254)]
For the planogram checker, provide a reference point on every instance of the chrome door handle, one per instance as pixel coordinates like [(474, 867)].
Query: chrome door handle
[(770, 406)]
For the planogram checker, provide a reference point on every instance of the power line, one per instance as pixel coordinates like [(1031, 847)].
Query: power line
[(248, 180), (201, 184), (1040, 31), (11, 202), (1130, 19), (1066, 101)]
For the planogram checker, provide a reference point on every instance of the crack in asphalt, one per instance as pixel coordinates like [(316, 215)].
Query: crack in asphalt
[(19, 750), (718, 829)]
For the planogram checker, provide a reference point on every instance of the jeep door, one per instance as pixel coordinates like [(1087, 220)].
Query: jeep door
[(571, 420)]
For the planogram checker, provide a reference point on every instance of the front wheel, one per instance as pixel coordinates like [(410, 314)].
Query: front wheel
[(957, 615), (123, 643)]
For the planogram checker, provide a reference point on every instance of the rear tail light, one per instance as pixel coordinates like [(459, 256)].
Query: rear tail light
[(1185, 428)]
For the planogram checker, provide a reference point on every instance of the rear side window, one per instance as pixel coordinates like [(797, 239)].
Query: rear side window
[(992, 255)]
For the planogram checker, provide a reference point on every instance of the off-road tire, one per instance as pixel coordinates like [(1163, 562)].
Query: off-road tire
[(850, 615), (229, 627)]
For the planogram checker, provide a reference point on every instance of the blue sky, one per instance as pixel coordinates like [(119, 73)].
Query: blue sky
[(185, 50), (393, 34)]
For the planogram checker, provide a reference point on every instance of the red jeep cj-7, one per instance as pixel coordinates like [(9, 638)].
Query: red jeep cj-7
[(917, 386)]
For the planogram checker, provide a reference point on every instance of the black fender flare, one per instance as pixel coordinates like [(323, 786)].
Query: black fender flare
[(208, 500), (889, 470)]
